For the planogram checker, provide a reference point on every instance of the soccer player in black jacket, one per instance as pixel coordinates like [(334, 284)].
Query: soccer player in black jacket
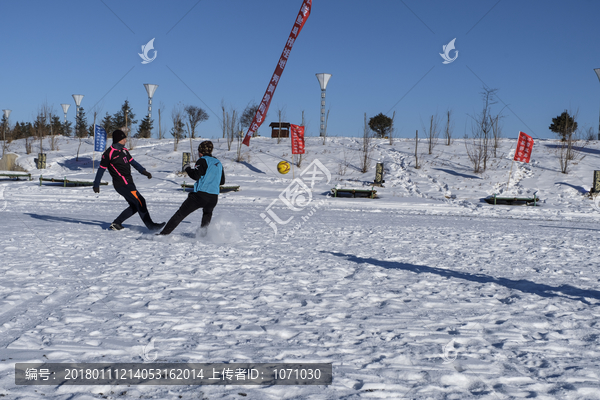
[(118, 161), (209, 176)]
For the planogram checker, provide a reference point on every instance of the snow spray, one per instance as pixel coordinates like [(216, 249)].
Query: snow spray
[(223, 228)]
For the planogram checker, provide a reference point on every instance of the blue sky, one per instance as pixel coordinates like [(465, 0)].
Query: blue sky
[(383, 55)]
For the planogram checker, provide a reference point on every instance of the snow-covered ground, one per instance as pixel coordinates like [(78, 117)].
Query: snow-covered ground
[(425, 292)]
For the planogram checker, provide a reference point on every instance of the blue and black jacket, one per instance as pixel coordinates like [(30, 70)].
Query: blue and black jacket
[(209, 174)]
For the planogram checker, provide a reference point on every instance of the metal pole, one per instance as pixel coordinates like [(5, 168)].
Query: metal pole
[(322, 130), (77, 98), (94, 152), (7, 115), (323, 80), (159, 129), (597, 70)]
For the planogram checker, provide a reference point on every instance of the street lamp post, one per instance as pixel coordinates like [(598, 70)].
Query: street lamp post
[(65, 108), (598, 73), (323, 79), (77, 98), (150, 88), (6, 114)]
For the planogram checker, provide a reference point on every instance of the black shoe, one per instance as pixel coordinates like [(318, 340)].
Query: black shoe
[(116, 226), (155, 227)]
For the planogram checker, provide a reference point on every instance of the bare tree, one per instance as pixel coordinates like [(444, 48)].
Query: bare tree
[(432, 133), (248, 116), (365, 151), (230, 125), (449, 128), (195, 115), (475, 151), (590, 134), (41, 125), (417, 165), (161, 128), (281, 116), (177, 131), (240, 140), (28, 146), (570, 147), (392, 130), (478, 147), (326, 121), (496, 133), (54, 121), (343, 165), (223, 124)]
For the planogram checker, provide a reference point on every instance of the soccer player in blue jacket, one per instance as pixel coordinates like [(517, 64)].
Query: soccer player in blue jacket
[(118, 161), (209, 176)]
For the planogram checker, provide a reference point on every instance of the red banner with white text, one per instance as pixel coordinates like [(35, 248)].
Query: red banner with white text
[(297, 133), (263, 107), (524, 147)]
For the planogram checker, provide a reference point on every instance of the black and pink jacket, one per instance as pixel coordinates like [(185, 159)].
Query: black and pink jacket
[(118, 161)]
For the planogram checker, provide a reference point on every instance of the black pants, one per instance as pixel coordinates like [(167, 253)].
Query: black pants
[(194, 201), (137, 204)]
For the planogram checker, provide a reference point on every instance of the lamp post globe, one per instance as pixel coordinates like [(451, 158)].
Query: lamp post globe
[(150, 89)]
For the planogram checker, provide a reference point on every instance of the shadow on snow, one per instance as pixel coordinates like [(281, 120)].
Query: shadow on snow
[(102, 224), (449, 171), (523, 285)]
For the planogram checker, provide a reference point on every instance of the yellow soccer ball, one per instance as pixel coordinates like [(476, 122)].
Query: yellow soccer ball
[(283, 167)]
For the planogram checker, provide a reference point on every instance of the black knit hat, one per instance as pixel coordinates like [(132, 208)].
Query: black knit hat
[(118, 135), (206, 148)]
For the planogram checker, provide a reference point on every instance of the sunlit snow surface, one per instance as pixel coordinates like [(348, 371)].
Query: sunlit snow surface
[(425, 292)]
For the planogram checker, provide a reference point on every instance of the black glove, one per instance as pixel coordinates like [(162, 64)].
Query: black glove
[(186, 166), (148, 174), (96, 189)]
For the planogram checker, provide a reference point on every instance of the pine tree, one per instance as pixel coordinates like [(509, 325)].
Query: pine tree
[(66, 128), (5, 128), (119, 117), (145, 128), (57, 126), (381, 125), (564, 125), (81, 124), (108, 124)]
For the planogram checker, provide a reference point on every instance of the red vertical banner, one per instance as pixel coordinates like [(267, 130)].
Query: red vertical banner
[(297, 133), (524, 147), (263, 107)]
